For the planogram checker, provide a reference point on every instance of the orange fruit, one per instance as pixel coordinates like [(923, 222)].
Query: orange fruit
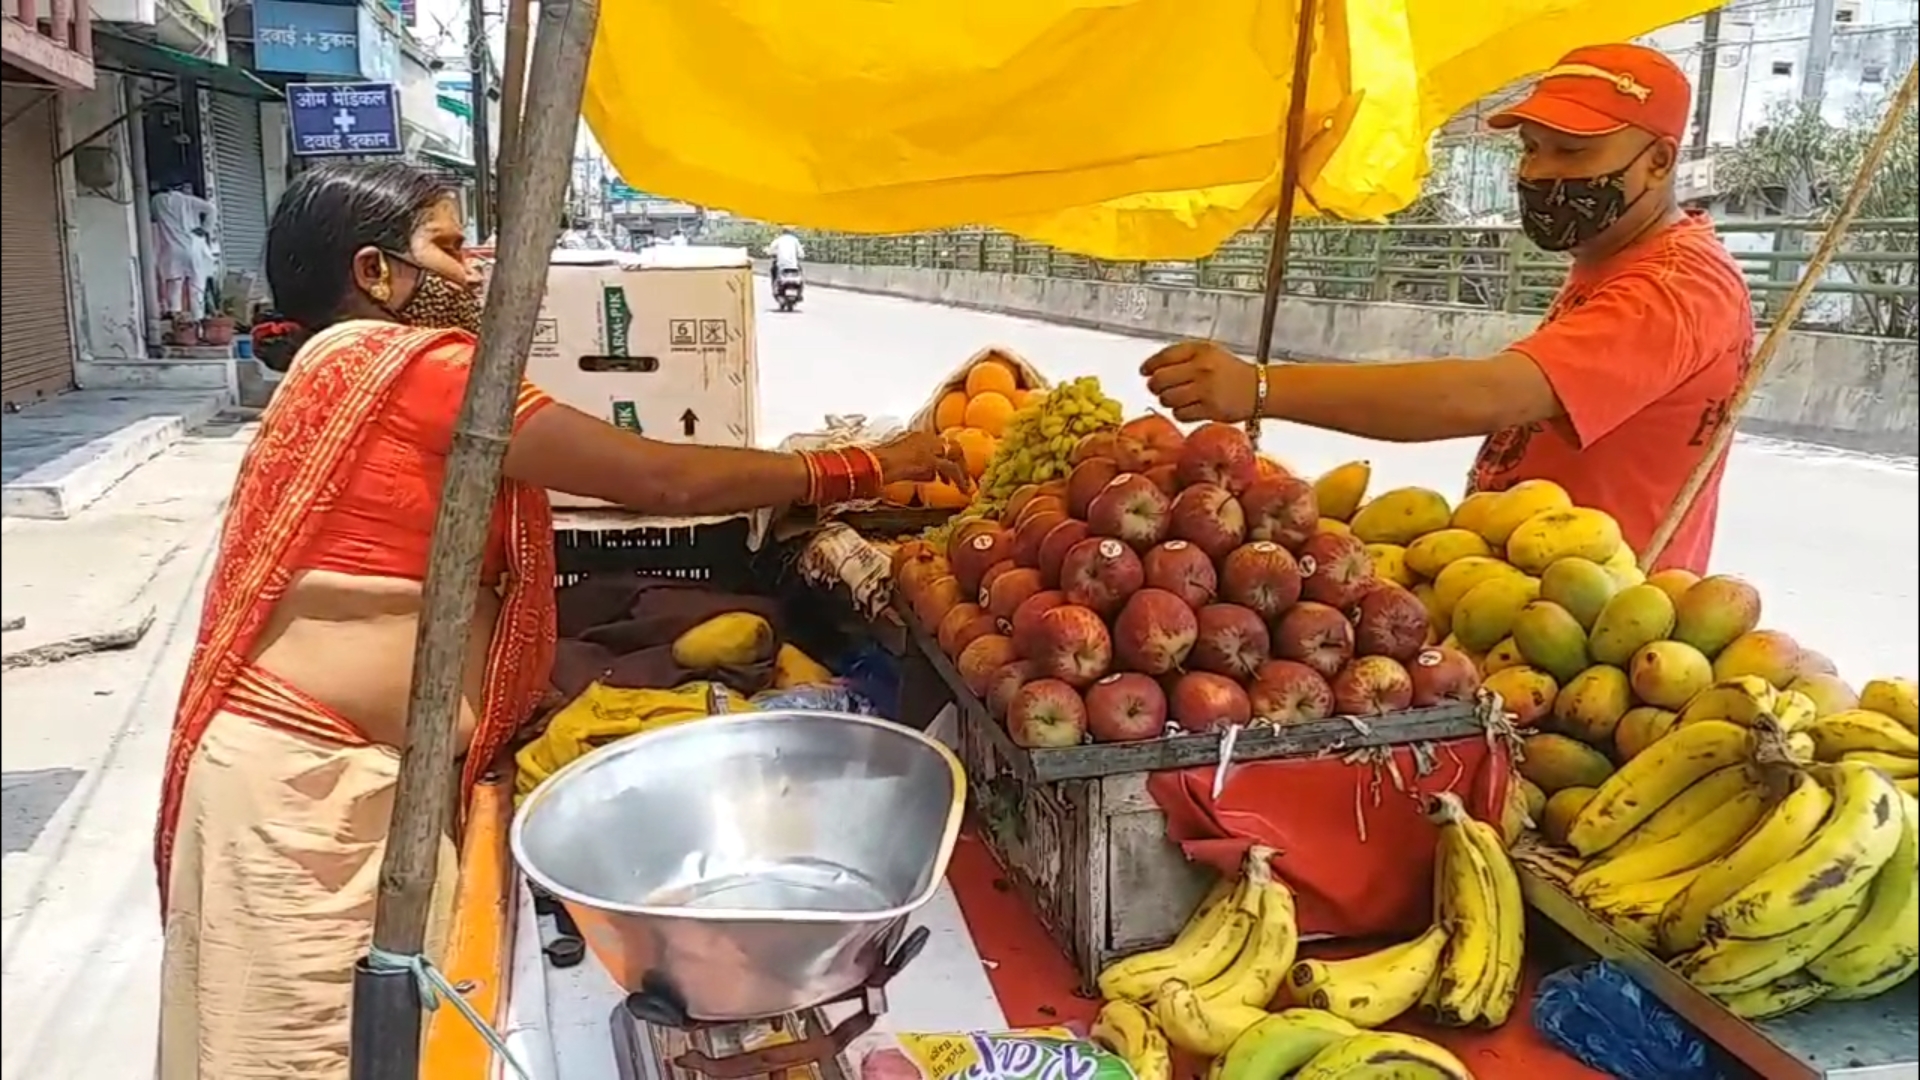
[(1023, 398), (989, 412), (977, 445), (951, 412), (900, 494), (992, 376), (942, 496)]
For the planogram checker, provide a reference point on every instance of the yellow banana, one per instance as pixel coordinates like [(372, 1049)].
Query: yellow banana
[(1308, 977), (1127, 1030), (1711, 836), (1740, 700), (1197, 1026), (1793, 710), (1785, 828), (1897, 766), (1633, 910), (1387, 990), (1281, 1043), (1210, 941), (1382, 1055), (1256, 974), (1908, 785), (1832, 869), (1727, 966), (1777, 998), (1898, 698), (1861, 729), (1653, 778), (1885, 944), (1684, 809), (1470, 917), (1800, 748), (1510, 909)]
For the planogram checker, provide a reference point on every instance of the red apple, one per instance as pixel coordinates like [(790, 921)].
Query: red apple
[(1202, 701), (972, 527), (1270, 469), (1100, 444), (981, 659), (1282, 509), (1154, 632), (1047, 713), (976, 626), (911, 577), (1231, 640), (1208, 517), (1126, 707), (1055, 489), (1100, 573), (1336, 569), (1130, 509), (1088, 479), (1316, 635), (1005, 683), (993, 573), (1164, 477), (937, 597), (971, 557), (1017, 502), (1221, 454), (1289, 692), (1441, 674), (908, 552), (1053, 549), (951, 624), (1043, 503), (1032, 532), (1009, 591), (1372, 686), (1262, 576), (1391, 622), (1025, 623), (1182, 569), (1159, 438), (1073, 646)]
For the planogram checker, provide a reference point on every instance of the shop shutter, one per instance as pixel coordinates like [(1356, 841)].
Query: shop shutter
[(36, 332), (240, 186)]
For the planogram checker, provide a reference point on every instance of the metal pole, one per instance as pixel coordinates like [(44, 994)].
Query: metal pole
[(513, 89), (480, 60), (1703, 93), (386, 1006), (1813, 80), (1289, 188), (1783, 322)]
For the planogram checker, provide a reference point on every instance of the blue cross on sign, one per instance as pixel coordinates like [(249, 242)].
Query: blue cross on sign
[(344, 118)]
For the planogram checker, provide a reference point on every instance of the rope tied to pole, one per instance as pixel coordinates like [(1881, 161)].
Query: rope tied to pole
[(434, 989)]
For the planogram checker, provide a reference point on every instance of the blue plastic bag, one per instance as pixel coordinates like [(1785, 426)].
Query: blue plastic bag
[(1602, 1017)]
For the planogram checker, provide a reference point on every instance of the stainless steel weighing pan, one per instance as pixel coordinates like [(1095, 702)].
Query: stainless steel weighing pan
[(745, 866)]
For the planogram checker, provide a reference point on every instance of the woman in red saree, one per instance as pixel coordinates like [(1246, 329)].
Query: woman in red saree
[(279, 780)]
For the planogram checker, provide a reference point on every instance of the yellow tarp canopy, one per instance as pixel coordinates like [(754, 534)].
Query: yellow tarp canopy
[(1123, 129)]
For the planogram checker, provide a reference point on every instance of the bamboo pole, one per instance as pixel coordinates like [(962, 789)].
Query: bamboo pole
[(1783, 322), (387, 1004), (1277, 251), (513, 89)]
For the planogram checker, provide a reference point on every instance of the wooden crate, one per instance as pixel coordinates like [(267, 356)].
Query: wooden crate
[(1079, 835)]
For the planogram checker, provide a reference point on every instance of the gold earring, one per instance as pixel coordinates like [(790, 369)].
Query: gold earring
[(381, 292)]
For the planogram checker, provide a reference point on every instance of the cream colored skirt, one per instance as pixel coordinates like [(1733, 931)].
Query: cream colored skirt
[(275, 868)]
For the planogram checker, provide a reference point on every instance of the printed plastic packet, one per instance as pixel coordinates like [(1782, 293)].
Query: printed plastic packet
[(1027, 1054)]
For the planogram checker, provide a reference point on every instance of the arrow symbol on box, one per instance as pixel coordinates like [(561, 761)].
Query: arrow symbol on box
[(688, 421)]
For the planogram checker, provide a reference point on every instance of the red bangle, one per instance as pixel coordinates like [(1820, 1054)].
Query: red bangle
[(835, 478), (813, 477), (869, 481)]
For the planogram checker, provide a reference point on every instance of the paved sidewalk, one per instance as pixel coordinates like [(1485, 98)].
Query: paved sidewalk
[(81, 585)]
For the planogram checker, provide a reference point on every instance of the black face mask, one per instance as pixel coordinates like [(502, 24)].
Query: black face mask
[(439, 303), (1560, 215)]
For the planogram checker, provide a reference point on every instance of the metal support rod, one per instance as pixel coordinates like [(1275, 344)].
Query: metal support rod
[(423, 797), (126, 114), (1289, 188), (1783, 321), (480, 61), (1703, 92), (513, 90)]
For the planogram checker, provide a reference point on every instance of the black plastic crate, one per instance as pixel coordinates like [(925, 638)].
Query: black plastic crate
[(715, 553)]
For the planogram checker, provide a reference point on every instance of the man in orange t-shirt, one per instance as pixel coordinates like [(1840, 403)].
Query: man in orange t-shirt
[(1617, 393)]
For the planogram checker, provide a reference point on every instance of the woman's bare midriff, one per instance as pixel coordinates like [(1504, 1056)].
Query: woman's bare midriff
[(348, 641)]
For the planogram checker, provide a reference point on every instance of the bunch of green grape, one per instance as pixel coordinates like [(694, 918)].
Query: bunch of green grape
[(1038, 442)]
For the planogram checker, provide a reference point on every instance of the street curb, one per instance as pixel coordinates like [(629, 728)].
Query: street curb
[(124, 635)]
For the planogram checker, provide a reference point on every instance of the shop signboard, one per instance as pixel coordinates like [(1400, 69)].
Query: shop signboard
[(306, 39), (332, 119)]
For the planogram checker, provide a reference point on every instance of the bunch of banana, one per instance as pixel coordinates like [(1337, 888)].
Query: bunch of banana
[(1213, 938), (1655, 777), (1479, 906), (1878, 733), (1199, 1026), (1280, 1044), (1368, 991), (1127, 1030), (1255, 975), (1821, 899), (1744, 699), (1381, 1055)]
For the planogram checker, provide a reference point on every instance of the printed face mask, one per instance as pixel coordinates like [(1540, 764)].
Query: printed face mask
[(440, 303), (1562, 214)]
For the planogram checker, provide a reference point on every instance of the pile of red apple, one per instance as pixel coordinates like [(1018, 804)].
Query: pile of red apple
[(1173, 582)]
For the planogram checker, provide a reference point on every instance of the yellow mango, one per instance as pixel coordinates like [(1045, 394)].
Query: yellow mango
[(1575, 532), (732, 639)]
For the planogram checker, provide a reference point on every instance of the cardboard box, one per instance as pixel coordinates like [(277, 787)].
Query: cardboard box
[(660, 342)]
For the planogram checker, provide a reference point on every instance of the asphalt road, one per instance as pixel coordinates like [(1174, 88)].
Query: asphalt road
[(1832, 540)]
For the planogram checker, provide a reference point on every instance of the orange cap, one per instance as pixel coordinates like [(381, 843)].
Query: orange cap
[(1602, 89)]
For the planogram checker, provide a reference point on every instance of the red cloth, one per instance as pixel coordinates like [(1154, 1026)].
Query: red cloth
[(1347, 882)]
